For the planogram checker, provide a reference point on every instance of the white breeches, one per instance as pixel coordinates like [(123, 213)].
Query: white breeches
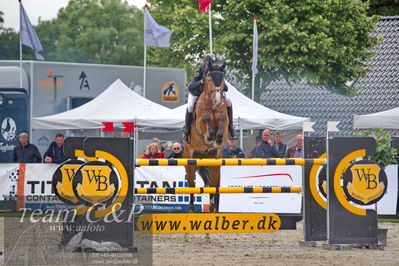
[(193, 99)]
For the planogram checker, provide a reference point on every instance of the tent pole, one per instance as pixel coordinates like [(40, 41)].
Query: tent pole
[(135, 138), (241, 133)]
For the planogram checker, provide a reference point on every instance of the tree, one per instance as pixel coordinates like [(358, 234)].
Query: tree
[(383, 7), (324, 42), (9, 44), (94, 31), (1, 17), (87, 31)]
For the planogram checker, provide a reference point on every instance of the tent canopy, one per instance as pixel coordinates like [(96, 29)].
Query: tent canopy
[(388, 119), (247, 114), (117, 103)]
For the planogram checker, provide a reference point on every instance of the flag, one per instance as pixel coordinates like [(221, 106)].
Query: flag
[(129, 126), (28, 35), (108, 127), (255, 50), (155, 34), (204, 5)]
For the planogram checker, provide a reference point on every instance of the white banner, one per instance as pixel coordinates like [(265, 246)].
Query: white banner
[(167, 176), (387, 205), (37, 188), (261, 176)]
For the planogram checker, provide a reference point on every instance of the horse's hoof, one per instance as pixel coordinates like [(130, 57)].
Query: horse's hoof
[(216, 145)]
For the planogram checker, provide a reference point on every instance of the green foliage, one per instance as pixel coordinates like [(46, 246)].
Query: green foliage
[(9, 44), (94, 31), (383, 7), (325, 42), (89, 31), (385, 154)]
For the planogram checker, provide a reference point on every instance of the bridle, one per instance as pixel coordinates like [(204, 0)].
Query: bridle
[(217, 95)]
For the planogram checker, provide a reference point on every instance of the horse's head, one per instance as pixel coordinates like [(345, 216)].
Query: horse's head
[(214, 83)]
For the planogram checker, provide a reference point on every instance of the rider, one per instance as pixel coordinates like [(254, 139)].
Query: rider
[(195, 89)]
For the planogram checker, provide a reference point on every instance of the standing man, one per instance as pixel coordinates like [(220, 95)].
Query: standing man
[(26, 152), (265, 148), (295, 151), (55, 152), (278, 145), (231, 150)]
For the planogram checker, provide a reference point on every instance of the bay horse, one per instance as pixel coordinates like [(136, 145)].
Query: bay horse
[(209, 130)]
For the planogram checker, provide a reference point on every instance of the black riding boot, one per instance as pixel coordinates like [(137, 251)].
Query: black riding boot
[(232, 134), (187, 125)]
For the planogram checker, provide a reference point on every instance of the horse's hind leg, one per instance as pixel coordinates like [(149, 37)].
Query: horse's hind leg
[(190, 170), (214, 172)]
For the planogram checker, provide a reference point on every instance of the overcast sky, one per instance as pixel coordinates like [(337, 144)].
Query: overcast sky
[(45, 9)]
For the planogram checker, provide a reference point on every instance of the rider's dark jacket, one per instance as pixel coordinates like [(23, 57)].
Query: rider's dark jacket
[(195, 87)]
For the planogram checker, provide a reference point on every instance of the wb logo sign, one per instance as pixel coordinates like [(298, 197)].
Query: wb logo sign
[(76, 182), (365, 182), (93, 183)]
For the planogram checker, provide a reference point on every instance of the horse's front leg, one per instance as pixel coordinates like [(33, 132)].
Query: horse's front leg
[(214, 172), (220, 132), (210, 131), (190, 170)]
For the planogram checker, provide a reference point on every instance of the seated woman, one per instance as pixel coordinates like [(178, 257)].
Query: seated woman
[(153, 152)]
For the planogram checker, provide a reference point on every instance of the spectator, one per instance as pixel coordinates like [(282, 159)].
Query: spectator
[(26, 152), (153, 152), (167, 149), (55, 152), (295, 151), (278, 145), (156, 140), (231, 150), (177, 151), (265, 148), (258, 140)]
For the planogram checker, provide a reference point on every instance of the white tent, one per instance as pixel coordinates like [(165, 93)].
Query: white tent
[(386, 119), (117, 103), (247, 115)]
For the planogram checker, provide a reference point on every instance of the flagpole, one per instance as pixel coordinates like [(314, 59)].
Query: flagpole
[(145, 56), (210, 27), (20, 47), (253, 72), (145, 70)]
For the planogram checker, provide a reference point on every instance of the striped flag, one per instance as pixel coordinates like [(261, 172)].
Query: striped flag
[(204, 5), (28, 35), (255, 50)]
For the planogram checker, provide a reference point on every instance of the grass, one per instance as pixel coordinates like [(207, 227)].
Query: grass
[(392, 220)]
